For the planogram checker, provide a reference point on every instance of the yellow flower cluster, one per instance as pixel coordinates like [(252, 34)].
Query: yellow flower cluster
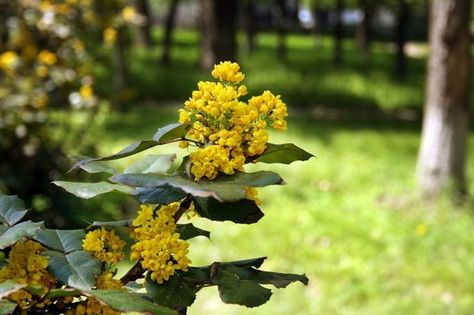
[(27, 266), (93, 306), (104, 245), (226, 129), (158, 245)]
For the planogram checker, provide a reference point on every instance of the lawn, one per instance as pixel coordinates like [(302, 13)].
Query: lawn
[(349, 218)]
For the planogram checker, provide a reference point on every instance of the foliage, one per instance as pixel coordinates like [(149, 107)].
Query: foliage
[(53, 271)]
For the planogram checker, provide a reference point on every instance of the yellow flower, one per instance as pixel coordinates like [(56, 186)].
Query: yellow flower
[(421, 229), (8, 60), (104, 245), (128, 13), (158, 246), (86, 92), (109, 35), (47, 57), (228, 71)]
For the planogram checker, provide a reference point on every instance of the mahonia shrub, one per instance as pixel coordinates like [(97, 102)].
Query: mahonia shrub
[(75, 271)]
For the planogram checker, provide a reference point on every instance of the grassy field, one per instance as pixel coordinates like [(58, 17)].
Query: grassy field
[(350, 218)]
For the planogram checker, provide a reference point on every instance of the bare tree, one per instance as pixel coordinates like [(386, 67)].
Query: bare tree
[(403, 18), (443, 150), (169, 28), (338, 33), (364, 29), (144, 32), (281, 20)]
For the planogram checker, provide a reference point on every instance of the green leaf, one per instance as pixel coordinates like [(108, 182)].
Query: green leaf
[(129, 302), (77, 269), (8, 287), (55, 293), (176, 292), (7, 307), (234, 290), (97, 166), (187, 231), (223, 188), (17, 232), (246, 263), (12, 209), (242, 211), (279, 280), (64, 241), (171, 132), (158, 164), (283, 153), (164, 194), (90, 190)]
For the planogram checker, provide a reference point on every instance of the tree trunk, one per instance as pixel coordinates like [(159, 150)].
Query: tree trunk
[(121, 73), (281, 21), (363, 31), (443, 149), (219, 32), (403, 19), (338, 33), (250, 26), (144, 32), (317, 23), (169, 29)]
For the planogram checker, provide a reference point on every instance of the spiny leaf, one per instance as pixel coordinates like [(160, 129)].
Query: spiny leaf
[(17, 232), (243, 211), (90, 190), (64, 241), (96, 166), (164, 194), (174, 293), (129, 302), (77, 269), (12, 209), (171, 132), (187, 231), (283, 153)]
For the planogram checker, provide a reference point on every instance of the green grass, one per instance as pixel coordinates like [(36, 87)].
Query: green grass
[(347, 219), (305, 79)]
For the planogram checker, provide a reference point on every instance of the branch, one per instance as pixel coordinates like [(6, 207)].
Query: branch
[(136, 272)]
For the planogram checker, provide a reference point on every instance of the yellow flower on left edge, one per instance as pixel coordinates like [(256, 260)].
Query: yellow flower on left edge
[(104, 245)]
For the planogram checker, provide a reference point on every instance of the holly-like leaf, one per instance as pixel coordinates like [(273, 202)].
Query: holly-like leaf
[(64, 241), (151, 164), (223, 188), (164, 194), (7, 307), (243, 211), (279, 280), (17, 232), (120, 223), (91, 190), (169, 133), (246, 263), (8, 287), (187, 231), (233, 290), (124, 301), (175, 293), (77, 269), (283, 153), (12, 209)]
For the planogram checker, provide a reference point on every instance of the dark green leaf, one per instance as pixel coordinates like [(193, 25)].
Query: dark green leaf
[(164, 194), (223, 188), (55, 293), (77, 269), (234, 290), (246, 263), (64, 241), (6, 307), (90, 190), (151, 164), (283, 153), (120, 223), (12, 209), (242, 211), (17, 232), (8, 287), (174, 293), (129, 302), (187, 231), (171, 132), (279, 280)]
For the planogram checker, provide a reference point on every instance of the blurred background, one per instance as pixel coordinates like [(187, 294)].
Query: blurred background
[(379, 223)]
